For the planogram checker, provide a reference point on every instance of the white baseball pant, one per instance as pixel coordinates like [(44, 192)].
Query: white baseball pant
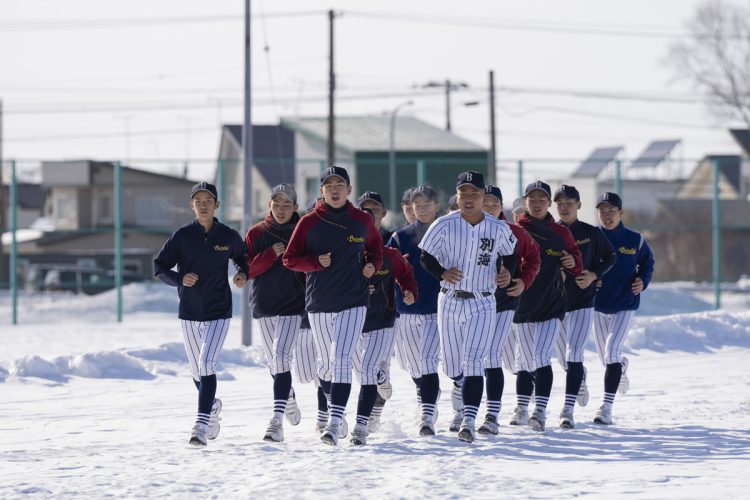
[(503, 322), (372, 349), (304, 356), (570, 344), (534, 344), (610, 331), (336, 335), (203, 342), (278, 333), (418, 343)]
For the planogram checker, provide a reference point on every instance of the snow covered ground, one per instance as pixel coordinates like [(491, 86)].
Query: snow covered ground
[(94, 408)]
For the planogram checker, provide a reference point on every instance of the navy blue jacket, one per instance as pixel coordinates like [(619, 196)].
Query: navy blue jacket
[(597, 256), (351, 237), (406, 240), (206, 254), (382, 311), (275, 290), (634, 260), (545, 298)]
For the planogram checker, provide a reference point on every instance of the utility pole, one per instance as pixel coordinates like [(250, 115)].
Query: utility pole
[(449, 87), (492, 160), (247, 146), (331, 156)]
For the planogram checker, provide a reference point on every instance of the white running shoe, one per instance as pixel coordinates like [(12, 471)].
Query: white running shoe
[(214, 420), (359, 435), (624, 380), (538, 419), (320, 425), (467, 433), (343, 427), (426, 427), (331, 434), (520, 416), (583, 392), (566, 419), (385, 389), (198, 435), (274, 431), (292, 413), (603, 416), (490, 426), (458, 418)]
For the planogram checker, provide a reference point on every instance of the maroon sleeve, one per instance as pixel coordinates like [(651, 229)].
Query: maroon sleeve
[(528, 250), (258, 262), (295, 256), (572, 249), (403, 273)]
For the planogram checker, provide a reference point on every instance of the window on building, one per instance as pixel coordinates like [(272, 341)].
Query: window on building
[(153, 210), (104, 208), (63, 207)]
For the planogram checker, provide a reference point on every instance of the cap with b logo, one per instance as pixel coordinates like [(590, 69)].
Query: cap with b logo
[(568, 192), (372, 196), (406, 197), (332, 171), (538, 186), (429, 193), (470, 179), (204, 186), (286, 190), (611, 199), (494, 191)]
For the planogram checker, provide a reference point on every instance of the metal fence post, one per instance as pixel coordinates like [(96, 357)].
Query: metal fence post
[(618, 177), (118, 238), (421, 172), (13, 271), (520, 179), (716, 234)]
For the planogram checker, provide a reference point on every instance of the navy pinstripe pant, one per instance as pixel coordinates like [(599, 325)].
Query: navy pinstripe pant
[(203, 343), (610, 332), (304, 356), (465, 327), (279, 333), (570, 344), (336, 335), (534, 344)]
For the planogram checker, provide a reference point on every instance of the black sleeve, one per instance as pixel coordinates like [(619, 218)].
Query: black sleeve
[(604, 256), (431, 265), (165, 261), (509, 261), (239, 255)]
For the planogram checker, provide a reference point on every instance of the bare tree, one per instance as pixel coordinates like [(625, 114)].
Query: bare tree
[(715, 56)]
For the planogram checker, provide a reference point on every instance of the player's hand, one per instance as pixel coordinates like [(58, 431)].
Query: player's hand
[(372, 289), (189, 279), (368, 270), (637, 286), (278, 248), (567, 260), (452, 275), (325, 259), (517, 288), (239, 280), (408, 298), (503, 277), (585, 279)]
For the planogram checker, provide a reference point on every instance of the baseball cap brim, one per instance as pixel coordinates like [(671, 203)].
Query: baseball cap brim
[(325, 179), (538, 189), (203, 191)]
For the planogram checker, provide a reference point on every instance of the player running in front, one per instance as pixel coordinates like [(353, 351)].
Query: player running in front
[(465, 250), (618, 298), (201, 251)]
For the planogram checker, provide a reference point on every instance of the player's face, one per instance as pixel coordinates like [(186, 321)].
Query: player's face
[(610, 216), (469, 200), (377, 210), (335, 190), (204, 205), (537, 204), (492, 205), (408, 212), (282, 209), (425, 210), (567, 209)]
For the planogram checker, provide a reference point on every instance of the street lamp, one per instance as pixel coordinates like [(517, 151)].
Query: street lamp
[(392, 156)]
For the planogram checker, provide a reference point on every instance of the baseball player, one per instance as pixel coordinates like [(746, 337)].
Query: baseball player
[(618, 298), (597, 257), (452, 205), (373, 202), (466, 250), (277, 300), (376, 341), (417, 339), (507, 301), (339, 248), (542, 306), (201, 251), (406, 208)]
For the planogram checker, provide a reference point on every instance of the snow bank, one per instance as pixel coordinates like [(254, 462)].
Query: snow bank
[(691, 332)]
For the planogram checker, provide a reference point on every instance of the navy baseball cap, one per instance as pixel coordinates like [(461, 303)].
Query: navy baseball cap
[(538, 186), (518, 205), (610, 198), (204, 186), (569, 192), (453, 202), (333, 170), (470, 178), (494, 191), (406, 197), (370, 195), (426, 191), (285, 189)]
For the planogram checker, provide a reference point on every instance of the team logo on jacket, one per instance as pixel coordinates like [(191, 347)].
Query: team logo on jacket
[(626, 251), (583, 242), (221, 248), (383, 272), (355, 239), (553, 253)]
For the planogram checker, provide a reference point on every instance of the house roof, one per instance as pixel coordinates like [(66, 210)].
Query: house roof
[(597, 161), (372, 133), (730, 167), (273, 151), (742, 136), (655, 153)]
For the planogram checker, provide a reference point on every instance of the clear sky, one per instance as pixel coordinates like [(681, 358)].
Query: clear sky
[(149, 79)]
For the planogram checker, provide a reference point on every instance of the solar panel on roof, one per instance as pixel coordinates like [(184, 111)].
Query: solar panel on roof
[(655, 153), (597, 161)]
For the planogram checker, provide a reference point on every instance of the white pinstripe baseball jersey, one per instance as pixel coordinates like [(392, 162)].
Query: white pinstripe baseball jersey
[(472, 249)]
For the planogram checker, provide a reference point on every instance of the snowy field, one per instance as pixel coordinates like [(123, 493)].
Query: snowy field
[(93, 408)]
